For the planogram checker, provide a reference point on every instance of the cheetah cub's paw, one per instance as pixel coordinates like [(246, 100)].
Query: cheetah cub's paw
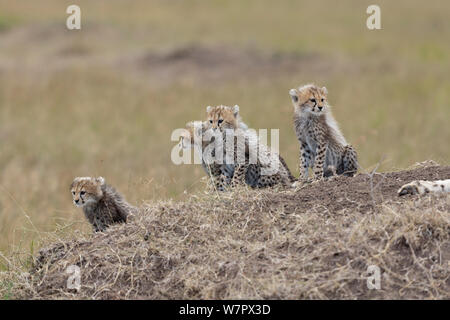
[(300, 183), (410, 188), (296, 184), (317, 179)]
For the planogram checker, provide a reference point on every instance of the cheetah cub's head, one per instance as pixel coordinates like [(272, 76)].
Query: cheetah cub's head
[(222, 117), (192, 134), (310, 99), (86, 190)]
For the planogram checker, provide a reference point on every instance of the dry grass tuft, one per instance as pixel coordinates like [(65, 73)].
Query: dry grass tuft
[(104, 100), (244, 245)]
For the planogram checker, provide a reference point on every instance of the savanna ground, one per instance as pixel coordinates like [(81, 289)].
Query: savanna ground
[(313, 243), (104, 101)]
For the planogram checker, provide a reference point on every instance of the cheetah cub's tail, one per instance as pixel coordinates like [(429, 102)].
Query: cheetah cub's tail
[(291, 177)]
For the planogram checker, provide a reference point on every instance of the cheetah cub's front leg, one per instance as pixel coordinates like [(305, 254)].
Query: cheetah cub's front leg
[(305, 162), (320, 159), (220, 182), (239, 175)]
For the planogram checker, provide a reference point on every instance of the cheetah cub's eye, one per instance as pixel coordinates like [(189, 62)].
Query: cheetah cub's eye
[(210, 121), (73, 192), (83, 193), (322, 100), (220, 121)]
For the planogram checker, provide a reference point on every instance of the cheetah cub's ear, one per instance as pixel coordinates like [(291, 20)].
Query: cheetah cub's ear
[(100, 180), (324, 91), (208, 109), (294, 95), (236, 111)]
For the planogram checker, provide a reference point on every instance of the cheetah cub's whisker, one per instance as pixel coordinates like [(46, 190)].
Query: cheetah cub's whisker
[(423, 187), (322, 145), (101, 203)]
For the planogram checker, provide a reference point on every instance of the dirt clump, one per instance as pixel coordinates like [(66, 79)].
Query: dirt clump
[(363, 192)]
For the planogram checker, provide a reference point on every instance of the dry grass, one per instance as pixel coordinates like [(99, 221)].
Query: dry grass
[(104, 101), (245, 245)]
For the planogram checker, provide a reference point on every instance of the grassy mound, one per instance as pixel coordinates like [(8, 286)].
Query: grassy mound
[(312, 243)]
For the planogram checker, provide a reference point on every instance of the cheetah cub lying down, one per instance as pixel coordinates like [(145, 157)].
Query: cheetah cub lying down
[(101, 203), (423, 187), (322, 145)]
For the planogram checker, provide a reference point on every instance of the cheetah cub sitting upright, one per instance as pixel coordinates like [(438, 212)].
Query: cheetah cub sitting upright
[(192, 137), (101, 203), (267, 170), (322, 145)]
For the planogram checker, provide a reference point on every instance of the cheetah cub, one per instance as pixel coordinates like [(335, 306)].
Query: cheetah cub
[(192, 137), (424, 187), (322, 145), (101, 203), (225, 121)]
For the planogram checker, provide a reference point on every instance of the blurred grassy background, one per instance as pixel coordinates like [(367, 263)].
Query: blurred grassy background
[(104, 100)]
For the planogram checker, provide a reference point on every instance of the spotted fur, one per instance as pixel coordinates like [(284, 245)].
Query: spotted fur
[(424, 187), (322, 145), (193, 137), (226, 121)]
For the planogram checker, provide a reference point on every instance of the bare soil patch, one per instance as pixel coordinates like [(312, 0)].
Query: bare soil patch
[(223, 63), (27, 49), (363, 192)]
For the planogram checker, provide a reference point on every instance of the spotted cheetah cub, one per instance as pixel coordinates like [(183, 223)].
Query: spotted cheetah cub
[(192, 137), (101, 203), (423, 187), (322, 145), (237, 145)]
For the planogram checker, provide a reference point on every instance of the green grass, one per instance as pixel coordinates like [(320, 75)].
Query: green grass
[(7, 22), (64, 115), (6, 289)]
